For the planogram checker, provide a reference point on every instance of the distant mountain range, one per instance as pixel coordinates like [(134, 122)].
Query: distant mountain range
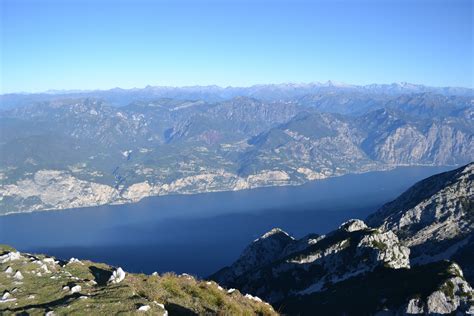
[(410, 260), (75, 150), (213, 93)]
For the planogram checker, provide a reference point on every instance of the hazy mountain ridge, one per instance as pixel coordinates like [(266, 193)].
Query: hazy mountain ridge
[(161, 146), (268, 92), (404, 274)]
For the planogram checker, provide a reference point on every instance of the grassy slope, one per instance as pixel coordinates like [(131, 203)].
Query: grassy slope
[(181, 295)]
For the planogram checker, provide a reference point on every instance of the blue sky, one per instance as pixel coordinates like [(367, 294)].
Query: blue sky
[(104, 44)]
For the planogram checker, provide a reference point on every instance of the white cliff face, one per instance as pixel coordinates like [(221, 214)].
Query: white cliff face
[(56, 189), (267, 177), (311, 174), (53, 189)]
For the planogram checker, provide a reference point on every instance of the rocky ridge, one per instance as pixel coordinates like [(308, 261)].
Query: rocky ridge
[(435, 218), (286, 266), (319, 272)]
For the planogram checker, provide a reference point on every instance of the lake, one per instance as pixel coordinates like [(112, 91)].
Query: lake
[(199, 234)]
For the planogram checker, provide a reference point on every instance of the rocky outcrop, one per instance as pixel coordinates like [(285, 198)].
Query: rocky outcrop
[(435, 218), (453, 295), (391, 252), (276, 266)]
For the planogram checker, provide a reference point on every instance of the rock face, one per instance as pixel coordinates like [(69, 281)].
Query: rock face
[(262, 251), (276, 265), (452, 295), (435, 218)]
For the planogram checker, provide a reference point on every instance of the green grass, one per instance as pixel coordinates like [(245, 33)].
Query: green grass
[(185, 295)]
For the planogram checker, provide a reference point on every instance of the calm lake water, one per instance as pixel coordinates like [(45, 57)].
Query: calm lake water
[(199, 234)]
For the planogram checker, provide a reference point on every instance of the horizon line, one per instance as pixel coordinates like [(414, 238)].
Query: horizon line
[(328, 83)]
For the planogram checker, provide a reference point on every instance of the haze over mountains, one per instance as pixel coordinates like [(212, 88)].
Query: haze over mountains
[(268, 92), (82, 149)]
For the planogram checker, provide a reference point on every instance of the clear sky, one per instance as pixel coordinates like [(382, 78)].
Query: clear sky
[(103, 44)]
